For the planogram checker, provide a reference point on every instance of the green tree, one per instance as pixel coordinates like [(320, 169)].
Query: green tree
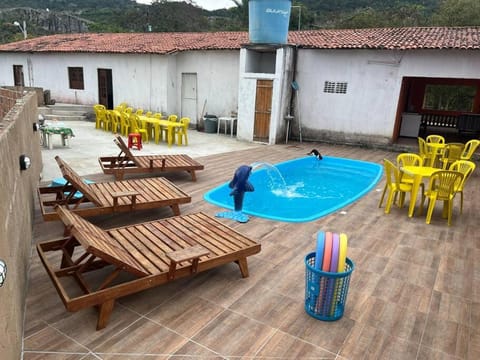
[(457, 13)]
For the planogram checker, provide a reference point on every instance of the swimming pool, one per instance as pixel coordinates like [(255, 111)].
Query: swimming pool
[(303, 189)]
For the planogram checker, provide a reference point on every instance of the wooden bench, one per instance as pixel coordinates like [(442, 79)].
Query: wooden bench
[(434, 123), (154, 253), (469, 125)]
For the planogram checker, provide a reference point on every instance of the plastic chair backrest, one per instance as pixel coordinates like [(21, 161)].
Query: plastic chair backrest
[(139, 112), (129, 110), (453, 151), (134, 123), (172, 118), (157, 116), (409, 159), (444, 183), (422, 147), (435, 139), (185, 121), (469, 149), (392, 174), (465, 167)]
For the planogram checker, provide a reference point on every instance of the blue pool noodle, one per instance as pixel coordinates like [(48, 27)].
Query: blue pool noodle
[(319, 251)]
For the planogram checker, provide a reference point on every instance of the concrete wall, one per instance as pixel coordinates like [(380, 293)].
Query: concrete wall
[(150, 82), (17, 189), (366, 113)]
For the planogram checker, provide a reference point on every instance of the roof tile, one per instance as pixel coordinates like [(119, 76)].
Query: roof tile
[(163, 43)]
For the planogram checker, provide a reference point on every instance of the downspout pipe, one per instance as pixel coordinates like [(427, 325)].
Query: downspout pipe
[(294, 72)]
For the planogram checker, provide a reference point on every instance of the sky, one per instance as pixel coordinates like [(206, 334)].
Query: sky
[(206, 4)]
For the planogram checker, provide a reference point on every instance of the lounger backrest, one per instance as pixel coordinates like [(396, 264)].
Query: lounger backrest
[(76, 181), (124, 148), (99, 243)]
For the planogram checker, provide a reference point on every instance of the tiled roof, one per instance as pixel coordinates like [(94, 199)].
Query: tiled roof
[(164, 43)]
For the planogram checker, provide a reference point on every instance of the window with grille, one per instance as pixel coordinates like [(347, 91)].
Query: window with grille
[(334, 87), (75, 78)]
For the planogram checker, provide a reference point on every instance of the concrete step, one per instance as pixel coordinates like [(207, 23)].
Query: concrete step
[(65, 117), (67, 112)]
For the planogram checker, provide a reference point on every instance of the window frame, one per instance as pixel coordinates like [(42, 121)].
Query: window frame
[(75, 78)]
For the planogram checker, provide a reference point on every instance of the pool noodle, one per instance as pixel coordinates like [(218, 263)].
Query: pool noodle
[(319, 250), (329, 291), (342, 260), (327, 252), (327, 256), (318, 264), (335, 252), (342, 254)]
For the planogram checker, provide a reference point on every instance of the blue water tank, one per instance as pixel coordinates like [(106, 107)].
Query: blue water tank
[(268, 21)]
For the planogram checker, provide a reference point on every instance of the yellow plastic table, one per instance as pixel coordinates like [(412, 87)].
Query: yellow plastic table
[(158, 125), (418, 173)]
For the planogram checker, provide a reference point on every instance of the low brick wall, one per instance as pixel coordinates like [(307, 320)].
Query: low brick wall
[(17, 190)]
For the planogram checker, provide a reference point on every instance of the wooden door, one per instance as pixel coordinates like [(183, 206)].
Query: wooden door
[(105, 88), (18, 79), (189, 96), (263, 110)]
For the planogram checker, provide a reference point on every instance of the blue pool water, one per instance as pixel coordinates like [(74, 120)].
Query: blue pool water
[(303, 189)]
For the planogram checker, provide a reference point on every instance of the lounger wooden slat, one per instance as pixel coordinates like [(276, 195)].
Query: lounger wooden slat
[(109, 197), (125, 163), (150, 259)]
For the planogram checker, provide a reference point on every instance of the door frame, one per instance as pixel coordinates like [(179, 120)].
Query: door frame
[(104, 76)]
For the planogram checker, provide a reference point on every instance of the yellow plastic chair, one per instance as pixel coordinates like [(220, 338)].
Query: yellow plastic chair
[(139, 112), (452, 153), (129, 110), (136, 128), (393, 185), (172, 117), (423, 151), (107, 124), (442, 187), (121, 107), (116, 119), (100, 115), (465, 167), (158, 116), (124, 123), (470, 148), (148, 114), (435, 139), (181, 132), (408, 159)]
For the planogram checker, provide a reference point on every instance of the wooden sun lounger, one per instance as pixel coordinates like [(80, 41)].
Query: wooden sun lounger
[(127, 163), (154, 253), (108, 197)]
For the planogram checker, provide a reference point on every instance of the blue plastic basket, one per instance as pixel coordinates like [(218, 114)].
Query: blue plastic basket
[(326, 292)]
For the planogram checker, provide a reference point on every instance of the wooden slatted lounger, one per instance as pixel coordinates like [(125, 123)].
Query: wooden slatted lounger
[(127, 163), (153, 252), (108, 197)]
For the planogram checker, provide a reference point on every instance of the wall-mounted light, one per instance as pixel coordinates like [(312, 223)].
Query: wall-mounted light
[(3, 272), (25, 162)]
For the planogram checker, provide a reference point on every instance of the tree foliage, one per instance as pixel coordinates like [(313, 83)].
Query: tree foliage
[(164, 15)]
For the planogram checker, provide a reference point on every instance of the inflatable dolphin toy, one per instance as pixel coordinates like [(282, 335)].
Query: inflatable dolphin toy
[(239, 186)]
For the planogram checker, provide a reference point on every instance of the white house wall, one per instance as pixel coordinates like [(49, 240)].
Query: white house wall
[(217, 80), (137, 79), (368, 110)]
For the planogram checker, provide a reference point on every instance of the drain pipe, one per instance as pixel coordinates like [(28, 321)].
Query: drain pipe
[(294, 93)]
